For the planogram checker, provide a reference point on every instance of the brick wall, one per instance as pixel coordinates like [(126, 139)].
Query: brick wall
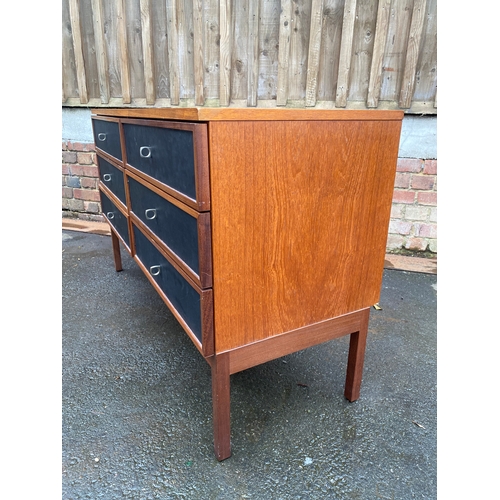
[(80, 196), (413, 225)]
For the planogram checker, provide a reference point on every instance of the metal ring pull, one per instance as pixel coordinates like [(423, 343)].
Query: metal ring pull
[(110, 215), (145, 152), (154, 270), (101, 137), (106, 177), (150, 213)]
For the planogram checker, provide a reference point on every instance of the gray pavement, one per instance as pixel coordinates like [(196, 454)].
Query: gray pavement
[(136, 398)]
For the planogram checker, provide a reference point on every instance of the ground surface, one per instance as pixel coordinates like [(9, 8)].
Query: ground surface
[(137, 399)]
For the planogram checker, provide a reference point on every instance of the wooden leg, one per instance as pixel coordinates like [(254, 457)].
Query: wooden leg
[(356, 359), (221, 406), (116, 251)]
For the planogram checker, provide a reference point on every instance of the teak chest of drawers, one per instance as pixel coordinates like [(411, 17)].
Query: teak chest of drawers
[(263, 230)]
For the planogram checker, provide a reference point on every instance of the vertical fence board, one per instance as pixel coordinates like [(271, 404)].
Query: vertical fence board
[(331, 34), (268, 49), (173, 48), (425, 74), (74, 11), (285, 27), (135, 49), (395, 50), (123, 52), (199, 98), (239, 50), (225, 52), (345, 54), (374, 85), (299, 43), (101, 54), (412, 51), (362, 49), (186, 48), (211, 49), (314, 51), (147, 50), (253, 52), (69, 81), (160, 48)]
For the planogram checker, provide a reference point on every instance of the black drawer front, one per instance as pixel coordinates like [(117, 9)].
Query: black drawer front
[(166, 154), (183, 297), (112, 178), (107, 137), (176, 228), (115, 217)]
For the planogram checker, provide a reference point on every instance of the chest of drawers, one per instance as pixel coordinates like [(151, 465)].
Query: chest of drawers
[(263, 230)]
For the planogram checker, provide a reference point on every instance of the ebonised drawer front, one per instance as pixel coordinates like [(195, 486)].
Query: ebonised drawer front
[(176, 228), (168, 152), (115, 218), (107, 136), (112, 178), (183, 297)]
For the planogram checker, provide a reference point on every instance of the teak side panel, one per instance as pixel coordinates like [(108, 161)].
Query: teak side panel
[(300, 212)]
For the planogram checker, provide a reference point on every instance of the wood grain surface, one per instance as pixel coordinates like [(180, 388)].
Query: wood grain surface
[(300, 212)]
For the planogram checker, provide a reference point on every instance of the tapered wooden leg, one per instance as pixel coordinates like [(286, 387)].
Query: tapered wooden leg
[(356, 359), (116, 251), (221, 406)]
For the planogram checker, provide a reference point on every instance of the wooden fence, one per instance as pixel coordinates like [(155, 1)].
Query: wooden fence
[(295, 53)]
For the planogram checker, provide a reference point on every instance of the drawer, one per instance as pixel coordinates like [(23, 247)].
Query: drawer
[(112, 178), (115, 218), (107, 136), (173, 155), (186, 235), (192, 307)]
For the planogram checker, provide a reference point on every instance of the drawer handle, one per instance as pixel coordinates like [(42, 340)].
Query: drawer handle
[(110, 215), (150, 213), (154, 270), (145, 152), (101, 137), (106, 177)]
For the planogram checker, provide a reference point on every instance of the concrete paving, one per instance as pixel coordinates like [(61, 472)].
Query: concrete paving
[(137, 399)]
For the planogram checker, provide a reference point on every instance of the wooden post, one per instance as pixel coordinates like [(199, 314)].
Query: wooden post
[(116, 251), (356, 360), (221, 406)]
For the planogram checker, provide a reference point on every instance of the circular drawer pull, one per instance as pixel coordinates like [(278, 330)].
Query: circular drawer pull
[(106, 177), (154, 270), (150, 213), (101, 137), (110, 215), (145, 152)]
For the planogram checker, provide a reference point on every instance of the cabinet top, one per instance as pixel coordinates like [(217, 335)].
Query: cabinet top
[(250, 114)]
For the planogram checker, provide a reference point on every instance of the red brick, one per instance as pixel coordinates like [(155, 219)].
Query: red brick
[(81, 146), (427, 198), (65, 169), (69, 157), (403, 196), (86, 194), (402, 180), (413, 165), (400, 227), (67, 192), (424, 182), (85, 158), (430, 167), (84, 170), (419, 244), (427, 230), (88, 182)]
